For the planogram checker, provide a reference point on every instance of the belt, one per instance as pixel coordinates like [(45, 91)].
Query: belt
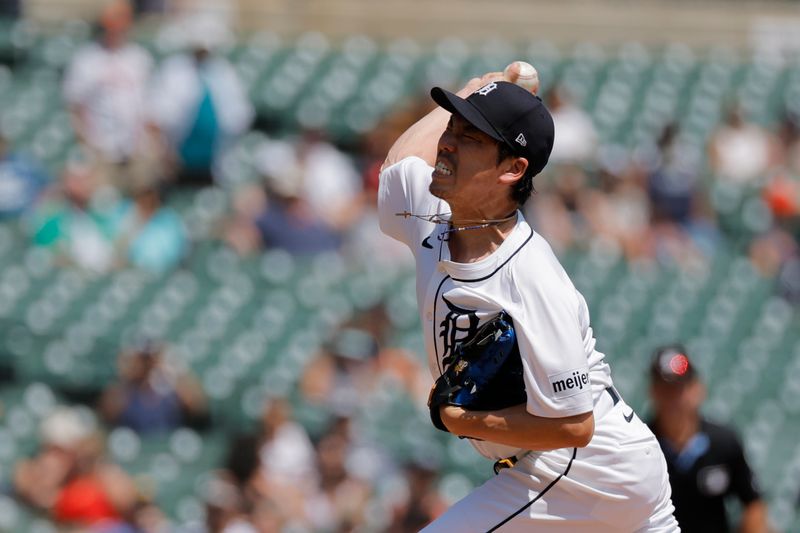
[(606, 403), (509, 462), (502, 464)]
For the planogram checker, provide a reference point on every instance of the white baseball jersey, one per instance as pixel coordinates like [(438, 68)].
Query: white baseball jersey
[(564, 375), (619, 481)]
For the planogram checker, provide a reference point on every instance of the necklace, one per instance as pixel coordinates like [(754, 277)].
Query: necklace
[(462, 225)]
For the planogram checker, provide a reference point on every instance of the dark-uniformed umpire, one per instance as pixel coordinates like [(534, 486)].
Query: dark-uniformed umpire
[(706, 461)]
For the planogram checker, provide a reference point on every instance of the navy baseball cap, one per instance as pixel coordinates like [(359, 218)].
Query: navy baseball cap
[(509, 114), (671, 364)]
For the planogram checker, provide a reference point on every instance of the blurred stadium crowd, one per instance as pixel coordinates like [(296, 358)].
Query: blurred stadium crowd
[(174, 173)]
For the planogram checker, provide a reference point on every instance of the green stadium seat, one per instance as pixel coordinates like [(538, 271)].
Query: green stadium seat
[(21, 422), (189, 510), (9, 450), (455, 485), (124, 446), (10, 514), (38, 525), (277, 266)]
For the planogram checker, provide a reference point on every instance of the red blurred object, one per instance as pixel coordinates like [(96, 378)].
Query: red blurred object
[(83, 501), (783, 196), (679, 364)]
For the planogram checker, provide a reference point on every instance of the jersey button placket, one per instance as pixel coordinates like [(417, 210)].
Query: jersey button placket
[(430, 305), (435, 280)]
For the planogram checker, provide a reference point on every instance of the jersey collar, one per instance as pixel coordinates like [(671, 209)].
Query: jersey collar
[(521, 233)]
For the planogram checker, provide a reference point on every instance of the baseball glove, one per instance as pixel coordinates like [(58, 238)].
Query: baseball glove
[(485, 374)]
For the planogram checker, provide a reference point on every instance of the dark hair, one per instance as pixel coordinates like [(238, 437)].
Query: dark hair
[(523, 188)]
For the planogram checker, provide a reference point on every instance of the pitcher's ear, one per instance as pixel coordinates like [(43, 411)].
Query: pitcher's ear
[(515, 168)]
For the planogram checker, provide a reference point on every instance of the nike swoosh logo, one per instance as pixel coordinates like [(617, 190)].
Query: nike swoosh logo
[(629, 417), (427, 244)]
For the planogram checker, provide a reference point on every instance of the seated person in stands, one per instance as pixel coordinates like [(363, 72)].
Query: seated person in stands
[(74, 223), (288, 221), (22, 180), (150, 396), (225, 506), (148, 234), (71, 480)]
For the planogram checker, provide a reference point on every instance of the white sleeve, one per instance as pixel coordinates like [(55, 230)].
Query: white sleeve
[(404, 188), (555, 367), (236, 111)]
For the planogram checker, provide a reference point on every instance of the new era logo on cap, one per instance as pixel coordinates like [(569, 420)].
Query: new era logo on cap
[(521, 140)]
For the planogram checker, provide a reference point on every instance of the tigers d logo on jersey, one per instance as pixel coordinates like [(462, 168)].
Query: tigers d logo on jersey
[(459, 325)]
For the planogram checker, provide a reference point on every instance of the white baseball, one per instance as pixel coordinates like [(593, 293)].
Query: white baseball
[(522, 74)]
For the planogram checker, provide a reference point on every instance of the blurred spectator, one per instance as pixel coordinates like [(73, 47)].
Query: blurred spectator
[(422, 502), (150, 396), (342, 376), (71, 480), (312, 197), (770, 250), (680, 217), (239, 230), (789, 279), (559, 210), (290, 223), (782, 191), (576, 139), (706, 461), (670, 244), (276, 467), (324, 177), (332, 185), (740, 152), (105, 87), (199, 102), (286, 454), (672, 180), (619, 210), (341, 500), (395, 368), (21, 181), (267, 517), (78, 223), (148, 234), (225, 508), (776, 252), (788, 133), (365, 240)]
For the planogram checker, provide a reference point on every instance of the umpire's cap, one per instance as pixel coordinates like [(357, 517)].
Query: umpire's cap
[(509, 114), (671, 364)]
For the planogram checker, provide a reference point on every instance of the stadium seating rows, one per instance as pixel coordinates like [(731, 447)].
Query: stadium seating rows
[(247, 328), (346, 87)]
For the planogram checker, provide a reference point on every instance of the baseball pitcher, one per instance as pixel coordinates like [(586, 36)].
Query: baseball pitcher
[(508, 337)]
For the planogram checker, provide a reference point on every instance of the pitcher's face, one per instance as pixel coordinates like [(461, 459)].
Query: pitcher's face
[(466, 170)]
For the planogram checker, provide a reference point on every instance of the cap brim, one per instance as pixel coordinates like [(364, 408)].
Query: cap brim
[(455, 104)]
